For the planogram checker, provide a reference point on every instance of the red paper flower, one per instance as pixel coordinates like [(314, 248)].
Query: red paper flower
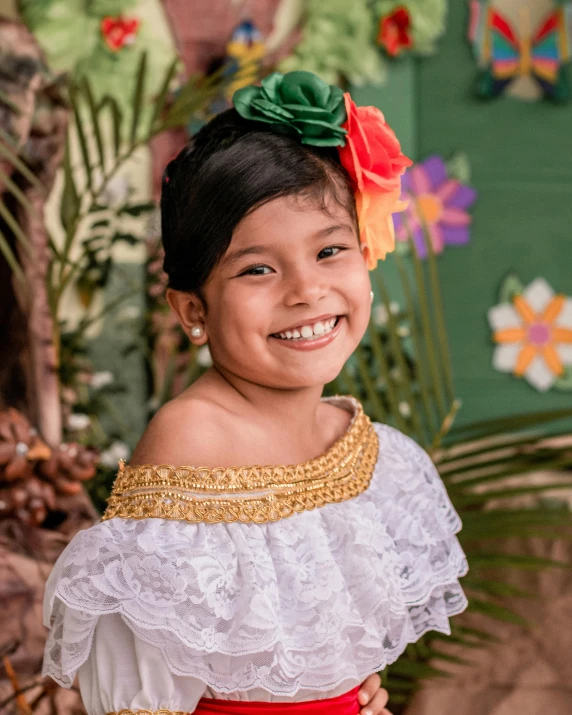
[(119, 31), (395, 32), (372, 155)]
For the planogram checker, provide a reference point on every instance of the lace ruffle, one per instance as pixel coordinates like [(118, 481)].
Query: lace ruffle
[(304, 602)]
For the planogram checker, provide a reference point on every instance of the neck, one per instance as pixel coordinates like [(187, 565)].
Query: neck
[(290, 411)]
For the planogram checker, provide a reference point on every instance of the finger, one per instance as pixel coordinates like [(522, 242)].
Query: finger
[(377, 704), (369, 688)]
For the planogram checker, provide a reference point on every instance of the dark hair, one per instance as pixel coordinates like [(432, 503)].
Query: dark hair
[(230, 167)]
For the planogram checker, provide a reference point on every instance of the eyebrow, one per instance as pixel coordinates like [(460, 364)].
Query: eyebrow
[(332, 229), (234, 256)]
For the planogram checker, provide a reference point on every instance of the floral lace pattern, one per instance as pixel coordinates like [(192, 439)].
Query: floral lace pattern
[(304, 602)]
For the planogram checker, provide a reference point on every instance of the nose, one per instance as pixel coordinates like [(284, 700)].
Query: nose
[(304, 286)]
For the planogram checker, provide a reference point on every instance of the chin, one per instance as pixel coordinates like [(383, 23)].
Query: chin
[(316, 378)]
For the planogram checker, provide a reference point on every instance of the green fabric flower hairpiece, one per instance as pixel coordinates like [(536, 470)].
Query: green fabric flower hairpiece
[(298, 104)]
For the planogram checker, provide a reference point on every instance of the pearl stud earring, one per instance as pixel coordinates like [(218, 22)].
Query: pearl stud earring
[(196, 331), (371, 296)]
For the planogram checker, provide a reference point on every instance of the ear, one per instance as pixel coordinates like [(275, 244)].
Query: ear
[(190, 311)]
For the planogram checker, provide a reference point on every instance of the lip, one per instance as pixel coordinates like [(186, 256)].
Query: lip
[(316, 342), (311, 321)]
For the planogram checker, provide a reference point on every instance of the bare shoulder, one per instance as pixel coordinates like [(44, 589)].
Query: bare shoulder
[(184, 432), (336, 421)]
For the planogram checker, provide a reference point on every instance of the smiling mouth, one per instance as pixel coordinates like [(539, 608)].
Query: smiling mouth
[(307, 333)]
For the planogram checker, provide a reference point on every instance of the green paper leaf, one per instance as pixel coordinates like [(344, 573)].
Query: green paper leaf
[(564, 382), (510, 288), (458, 167)]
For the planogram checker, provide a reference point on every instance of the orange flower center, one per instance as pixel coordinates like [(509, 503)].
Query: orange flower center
[(430, 208)]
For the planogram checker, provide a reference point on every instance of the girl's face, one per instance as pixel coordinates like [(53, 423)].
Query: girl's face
[(290, 300)]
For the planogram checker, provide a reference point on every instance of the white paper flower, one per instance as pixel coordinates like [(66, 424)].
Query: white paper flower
[(128, 314), (379, 314), (101, 379), (153, 403), (78, 421), (534, 333), (111, 456), (116, 190), (405, 409)]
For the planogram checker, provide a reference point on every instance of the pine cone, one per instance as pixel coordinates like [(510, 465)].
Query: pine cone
[(19, 446), (28, 500), (68, 465), (32, 474)]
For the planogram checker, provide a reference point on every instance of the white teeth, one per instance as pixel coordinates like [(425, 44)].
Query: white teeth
[(307, 332)]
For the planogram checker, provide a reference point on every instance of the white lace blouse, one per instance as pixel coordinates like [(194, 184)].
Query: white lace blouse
[(157, 613)]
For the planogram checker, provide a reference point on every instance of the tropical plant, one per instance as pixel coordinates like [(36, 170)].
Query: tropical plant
[(84, 186), (402, 373), (90, 226)]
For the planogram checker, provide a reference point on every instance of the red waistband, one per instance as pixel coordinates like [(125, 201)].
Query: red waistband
[(346, 704)]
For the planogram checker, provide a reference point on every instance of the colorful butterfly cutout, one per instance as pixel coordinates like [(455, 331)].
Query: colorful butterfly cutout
[(509, 55)]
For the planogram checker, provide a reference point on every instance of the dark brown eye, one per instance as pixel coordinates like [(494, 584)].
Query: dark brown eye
[(251, 271), (328, 251)]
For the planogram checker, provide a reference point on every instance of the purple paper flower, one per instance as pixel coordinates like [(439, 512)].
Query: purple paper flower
[(437, 200)]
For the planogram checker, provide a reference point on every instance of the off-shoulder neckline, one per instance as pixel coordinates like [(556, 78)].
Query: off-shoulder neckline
[(347, 402), (251, 493)]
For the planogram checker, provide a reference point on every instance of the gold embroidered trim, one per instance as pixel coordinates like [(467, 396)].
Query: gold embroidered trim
[(149, 712), (198, 494)]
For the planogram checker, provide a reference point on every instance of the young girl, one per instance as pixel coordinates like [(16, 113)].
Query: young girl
[(223, 588)]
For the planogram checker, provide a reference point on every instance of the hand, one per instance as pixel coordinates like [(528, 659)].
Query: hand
[(372, 697)]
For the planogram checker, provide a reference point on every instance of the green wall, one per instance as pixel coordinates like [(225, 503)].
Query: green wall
[(520, 155)]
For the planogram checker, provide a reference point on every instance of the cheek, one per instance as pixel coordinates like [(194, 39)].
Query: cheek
[(239, 312), (356, 287)]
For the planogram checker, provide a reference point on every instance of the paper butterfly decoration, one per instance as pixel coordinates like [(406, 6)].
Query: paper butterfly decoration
[(507, 55)]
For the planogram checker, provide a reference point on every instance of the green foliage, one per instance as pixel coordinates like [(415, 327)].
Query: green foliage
[(338, 45), (85, 185), (69, 32)]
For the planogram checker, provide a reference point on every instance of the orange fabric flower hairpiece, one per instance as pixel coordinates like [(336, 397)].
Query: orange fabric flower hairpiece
[(373, 158), (300, 104)]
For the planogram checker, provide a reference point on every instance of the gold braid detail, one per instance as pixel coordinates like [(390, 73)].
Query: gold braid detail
[(198, 494)]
